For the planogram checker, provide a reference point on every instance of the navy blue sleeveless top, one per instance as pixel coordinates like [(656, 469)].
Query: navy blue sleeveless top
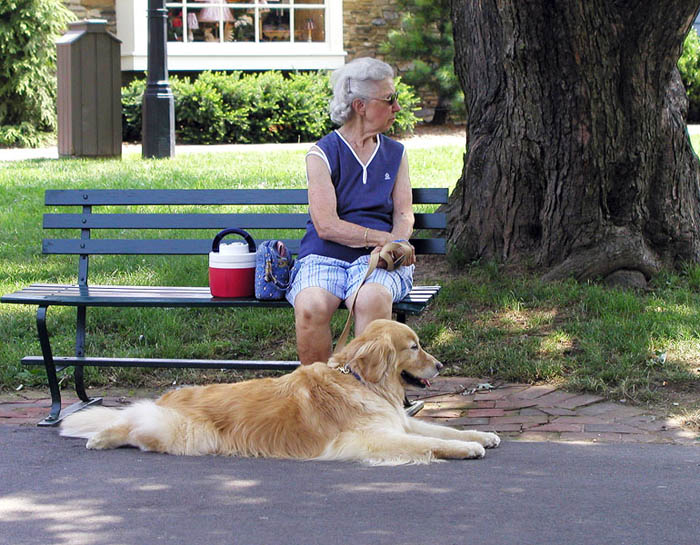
[(363, 193)]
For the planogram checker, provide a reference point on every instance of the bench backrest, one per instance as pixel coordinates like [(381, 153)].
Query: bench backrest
[(126, 219)]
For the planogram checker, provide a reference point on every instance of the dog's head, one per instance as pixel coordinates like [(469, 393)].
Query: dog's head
[(388, 351)]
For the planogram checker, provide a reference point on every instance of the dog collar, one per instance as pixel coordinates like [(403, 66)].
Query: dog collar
[(345, 369)]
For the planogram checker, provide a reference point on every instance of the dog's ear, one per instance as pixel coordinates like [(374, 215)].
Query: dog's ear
[(374, 359)]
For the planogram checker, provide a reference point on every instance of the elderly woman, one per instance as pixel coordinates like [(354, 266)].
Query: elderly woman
[(359, 200)]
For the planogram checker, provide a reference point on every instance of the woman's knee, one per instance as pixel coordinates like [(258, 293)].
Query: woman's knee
[(314, 306), (374, 300)]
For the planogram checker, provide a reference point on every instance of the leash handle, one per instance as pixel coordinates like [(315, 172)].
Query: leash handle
[(387, 254)]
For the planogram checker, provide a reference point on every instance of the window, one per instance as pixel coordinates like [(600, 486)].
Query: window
[(218, 21), (238, 34)]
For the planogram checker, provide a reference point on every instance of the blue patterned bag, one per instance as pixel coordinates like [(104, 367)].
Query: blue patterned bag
[(272, 265)]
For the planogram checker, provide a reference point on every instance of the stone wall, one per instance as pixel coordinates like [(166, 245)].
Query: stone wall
[(94, 9), (366, 25)]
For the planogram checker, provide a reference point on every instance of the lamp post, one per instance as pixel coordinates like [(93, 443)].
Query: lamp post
[(158, 123)]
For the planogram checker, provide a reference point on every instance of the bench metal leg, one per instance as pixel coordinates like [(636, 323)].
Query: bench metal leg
[(79, 353), (401, 317), (52, 419), (80, 383), (55, 415)]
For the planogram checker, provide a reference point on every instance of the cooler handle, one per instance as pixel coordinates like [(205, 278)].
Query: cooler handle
[(222, 234)]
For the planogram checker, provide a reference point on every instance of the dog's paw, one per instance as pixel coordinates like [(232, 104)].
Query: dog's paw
[(486, 439), (458, 450), (489, 440), (473, 450)]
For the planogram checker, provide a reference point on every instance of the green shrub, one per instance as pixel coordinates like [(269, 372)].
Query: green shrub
[(251, 108), (28, 30), (269, 99), (689, 67), (307, 107), (199, 112), (406, 119), (238, 98), (23, 135), (132, 100)]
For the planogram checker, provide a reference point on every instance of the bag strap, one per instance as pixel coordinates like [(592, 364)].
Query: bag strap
[(270, 276), (387, 254), (279, 251)]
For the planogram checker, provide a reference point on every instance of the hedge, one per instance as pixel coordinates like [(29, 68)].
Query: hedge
[(223, 108), (689, 67)]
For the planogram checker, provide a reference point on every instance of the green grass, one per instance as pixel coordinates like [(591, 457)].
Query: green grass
[(488, 321), (695, 141), (509, 324)]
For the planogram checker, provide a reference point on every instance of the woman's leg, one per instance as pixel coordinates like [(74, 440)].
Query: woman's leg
[(373, 301), (313, 308), (376, 296)]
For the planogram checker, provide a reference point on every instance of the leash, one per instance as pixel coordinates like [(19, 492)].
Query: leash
[(398, 247)]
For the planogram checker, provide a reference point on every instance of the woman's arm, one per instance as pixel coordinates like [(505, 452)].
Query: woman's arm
[(403, 218), (403, 204)]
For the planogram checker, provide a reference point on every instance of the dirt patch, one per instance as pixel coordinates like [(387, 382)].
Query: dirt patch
[(434, 135), (449, 129)]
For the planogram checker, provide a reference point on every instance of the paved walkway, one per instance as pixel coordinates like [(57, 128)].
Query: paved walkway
[(423, 140), (515, 411), (419, 140), (53, 490)]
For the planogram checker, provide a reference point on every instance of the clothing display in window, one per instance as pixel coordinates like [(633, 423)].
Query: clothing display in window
[(212, 14)]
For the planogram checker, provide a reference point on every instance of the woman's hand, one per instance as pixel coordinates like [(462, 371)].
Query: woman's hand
[(401, 255)]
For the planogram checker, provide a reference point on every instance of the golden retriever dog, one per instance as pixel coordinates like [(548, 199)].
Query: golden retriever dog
[(350, 408)]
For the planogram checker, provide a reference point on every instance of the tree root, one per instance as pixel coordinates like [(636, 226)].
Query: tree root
[(622, 257)]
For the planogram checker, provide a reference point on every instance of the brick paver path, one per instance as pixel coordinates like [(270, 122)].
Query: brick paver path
[(514, 411), (544, 413)]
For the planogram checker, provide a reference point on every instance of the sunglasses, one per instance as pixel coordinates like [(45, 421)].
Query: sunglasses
[(392, 99)]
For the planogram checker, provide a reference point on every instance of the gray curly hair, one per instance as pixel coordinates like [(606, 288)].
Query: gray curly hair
[(357, 79)]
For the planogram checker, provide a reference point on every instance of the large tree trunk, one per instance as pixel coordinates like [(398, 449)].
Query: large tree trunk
[(578, 156)]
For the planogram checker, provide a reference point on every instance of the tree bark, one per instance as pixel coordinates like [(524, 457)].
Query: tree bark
[(578, 157)]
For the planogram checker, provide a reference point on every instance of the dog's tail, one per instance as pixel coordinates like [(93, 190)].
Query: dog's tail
[(89, 422), (145, 425)]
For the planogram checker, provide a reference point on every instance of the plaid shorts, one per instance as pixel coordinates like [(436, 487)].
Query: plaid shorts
[(342, 279)]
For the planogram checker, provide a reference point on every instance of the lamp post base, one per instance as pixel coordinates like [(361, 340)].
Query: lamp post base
[(158, 122)]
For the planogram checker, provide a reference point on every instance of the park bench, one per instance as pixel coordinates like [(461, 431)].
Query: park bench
[(123, 217)]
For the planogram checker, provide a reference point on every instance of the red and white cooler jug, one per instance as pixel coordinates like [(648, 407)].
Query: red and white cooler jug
[(232, 266)]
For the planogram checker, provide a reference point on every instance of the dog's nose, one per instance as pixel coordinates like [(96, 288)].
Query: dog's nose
[(438, 365)]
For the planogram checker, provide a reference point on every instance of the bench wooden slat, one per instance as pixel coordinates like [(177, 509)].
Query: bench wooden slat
[(65, 361), (175, 221), (137, 246), (180, 246), (170, 296), (203, 221), (119, 197)]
